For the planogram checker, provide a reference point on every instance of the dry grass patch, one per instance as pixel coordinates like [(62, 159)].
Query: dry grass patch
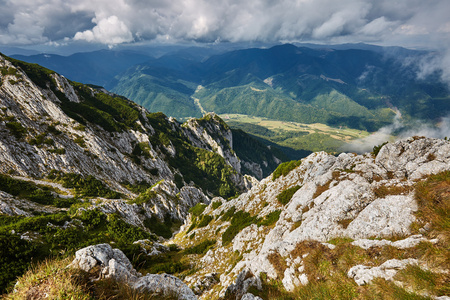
[(321, 188), (425, 280), (380, 289), (431, 157), (278, 263), (433, 199), (52, 279), (345, 222), (383, 191)]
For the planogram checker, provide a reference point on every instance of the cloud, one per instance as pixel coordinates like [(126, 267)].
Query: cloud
[(397, 131), (107, 31), (402, 22)]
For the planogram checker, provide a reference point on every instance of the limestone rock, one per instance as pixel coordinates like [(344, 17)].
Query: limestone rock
[(165, 285), (205, 283), (244, 281), (409, 242), (152, 248), (112, 262), (250, 296), (290, 280), (364, 274), (336, 197)]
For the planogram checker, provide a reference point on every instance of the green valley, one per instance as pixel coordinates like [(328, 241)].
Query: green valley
[(296, 136)]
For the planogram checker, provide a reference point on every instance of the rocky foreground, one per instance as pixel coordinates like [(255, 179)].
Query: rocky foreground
[(363, 201), (352, 226)]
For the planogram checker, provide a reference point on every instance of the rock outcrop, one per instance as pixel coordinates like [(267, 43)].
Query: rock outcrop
[(349, 196), (364, 274), (112, 263), (50, 124)]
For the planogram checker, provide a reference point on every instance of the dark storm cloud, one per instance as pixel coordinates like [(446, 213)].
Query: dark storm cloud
[(403, 22)]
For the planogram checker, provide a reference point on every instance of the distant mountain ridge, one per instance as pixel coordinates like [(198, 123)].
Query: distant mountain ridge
[(353, 87), (356, 85)]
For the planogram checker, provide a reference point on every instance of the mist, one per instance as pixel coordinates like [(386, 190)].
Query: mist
[(398, 130)]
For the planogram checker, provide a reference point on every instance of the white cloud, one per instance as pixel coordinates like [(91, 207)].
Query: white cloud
[(107, 31), (118, 21)]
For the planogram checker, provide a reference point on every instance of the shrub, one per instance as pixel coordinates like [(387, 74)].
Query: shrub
[(239, 221), (377, 149), (88, 186), (30, 191), (198, 209), (285, 196), (80, 141), (15, 257), (200, 248), (60, 151), (216, 204), (16, 129), (284, 168), (205, 220), (38, 140), (158, 227), (271, 218), (228, 214)]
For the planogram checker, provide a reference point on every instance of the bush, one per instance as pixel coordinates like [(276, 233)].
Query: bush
[(16, 129), (88, 186), (30, 191), (216, 204), (198, 209), (159, 228), (284, 168), (15, 257), (239, 221), (285, 196), (205, 220), (271, 218), (377, 149), (200, 248), (228, 214)]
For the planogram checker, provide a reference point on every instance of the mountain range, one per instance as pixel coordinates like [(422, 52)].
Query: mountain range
[(358, 86)]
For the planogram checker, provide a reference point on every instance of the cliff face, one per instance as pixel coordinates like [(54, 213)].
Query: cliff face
[(306, 206), (49, 125)]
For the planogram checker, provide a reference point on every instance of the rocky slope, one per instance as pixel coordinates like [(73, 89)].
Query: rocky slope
[(79, 165), (48, 124), (324, 203)]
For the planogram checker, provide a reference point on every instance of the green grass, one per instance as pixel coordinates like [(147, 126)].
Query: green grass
[(29, 190), (198, 209), (50, 241), (200, 248), (239, 221), (271, 218), (86, 186), (284, 168), (285, 196)]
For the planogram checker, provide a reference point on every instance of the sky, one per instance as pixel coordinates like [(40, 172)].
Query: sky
[(58, 23)]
